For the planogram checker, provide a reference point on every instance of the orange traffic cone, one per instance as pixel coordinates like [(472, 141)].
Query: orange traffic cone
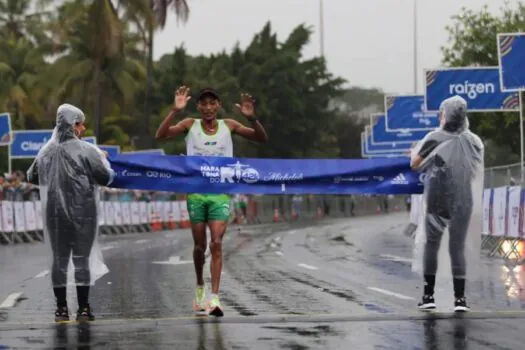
[(276, 215), (185, 219), (156, 225), (172, 225)]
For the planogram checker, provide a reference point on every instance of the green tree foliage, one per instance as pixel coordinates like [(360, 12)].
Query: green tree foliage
[(292, 95), (472, 42), (95, 54)]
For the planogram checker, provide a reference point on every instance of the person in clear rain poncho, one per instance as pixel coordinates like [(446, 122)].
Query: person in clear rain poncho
[(452, 158), (68, 172)]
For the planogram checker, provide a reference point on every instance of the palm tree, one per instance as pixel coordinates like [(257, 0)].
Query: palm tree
[(16, 22), (147, 24), (20, 91), (95, 68)]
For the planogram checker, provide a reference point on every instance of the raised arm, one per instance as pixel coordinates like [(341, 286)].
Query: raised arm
[(247, 109), (255, 133), (166, 130)]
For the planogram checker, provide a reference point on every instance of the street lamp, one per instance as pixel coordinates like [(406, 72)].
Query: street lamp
[(321, 26), (415, 46)]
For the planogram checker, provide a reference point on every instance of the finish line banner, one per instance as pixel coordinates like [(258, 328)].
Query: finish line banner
[(184, 174)]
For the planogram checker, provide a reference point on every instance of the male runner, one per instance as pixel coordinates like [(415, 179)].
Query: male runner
[(209, 136)]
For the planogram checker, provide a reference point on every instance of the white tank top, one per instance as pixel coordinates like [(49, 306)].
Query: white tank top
[(198, 143)]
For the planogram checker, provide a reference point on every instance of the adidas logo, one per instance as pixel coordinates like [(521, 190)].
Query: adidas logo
[(399, 180)]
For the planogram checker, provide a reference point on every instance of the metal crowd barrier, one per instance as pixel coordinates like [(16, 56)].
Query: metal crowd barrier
[(21, 221)]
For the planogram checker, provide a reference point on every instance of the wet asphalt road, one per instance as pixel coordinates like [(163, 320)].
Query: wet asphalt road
[(342, 284)]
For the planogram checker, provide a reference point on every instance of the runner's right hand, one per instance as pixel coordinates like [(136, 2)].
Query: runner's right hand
[(181, 98)]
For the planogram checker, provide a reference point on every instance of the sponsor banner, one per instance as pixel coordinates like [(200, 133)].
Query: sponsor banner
[(195, 174), (479, 86)]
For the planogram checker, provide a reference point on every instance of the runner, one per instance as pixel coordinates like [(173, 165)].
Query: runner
[(209, 136)]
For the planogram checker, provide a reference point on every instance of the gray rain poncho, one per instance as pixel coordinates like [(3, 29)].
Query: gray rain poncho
[(450, 224), (69, 172)]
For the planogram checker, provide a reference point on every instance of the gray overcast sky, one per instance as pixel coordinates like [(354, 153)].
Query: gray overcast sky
[(367, 42)]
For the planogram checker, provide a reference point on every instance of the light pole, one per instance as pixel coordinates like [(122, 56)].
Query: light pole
[(415, 46), (321, 26)]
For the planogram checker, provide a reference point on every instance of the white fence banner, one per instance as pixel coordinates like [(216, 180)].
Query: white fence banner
[(499, 211), (117, 211), (486, 211), (8, 224), (30, 216), (159, 208), (109, 219), (167, 211), (175, 208), (143, 212), (135, 213), (20, 219), (126, 213), (39, 216), (184, 215), (513, 212), (151, 211)]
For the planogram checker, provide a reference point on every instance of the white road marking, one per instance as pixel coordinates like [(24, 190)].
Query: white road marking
[(292, 232), (140, 241), (309, 267), (42, 274), (109, 246), (11, 300), (279, 253), (396, 258), (173, 260), (393, 294)]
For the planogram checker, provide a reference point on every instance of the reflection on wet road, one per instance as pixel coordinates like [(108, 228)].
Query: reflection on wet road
[(343, 284)]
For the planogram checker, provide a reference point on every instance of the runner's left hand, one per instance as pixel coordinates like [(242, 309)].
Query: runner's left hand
[(247, 106)]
